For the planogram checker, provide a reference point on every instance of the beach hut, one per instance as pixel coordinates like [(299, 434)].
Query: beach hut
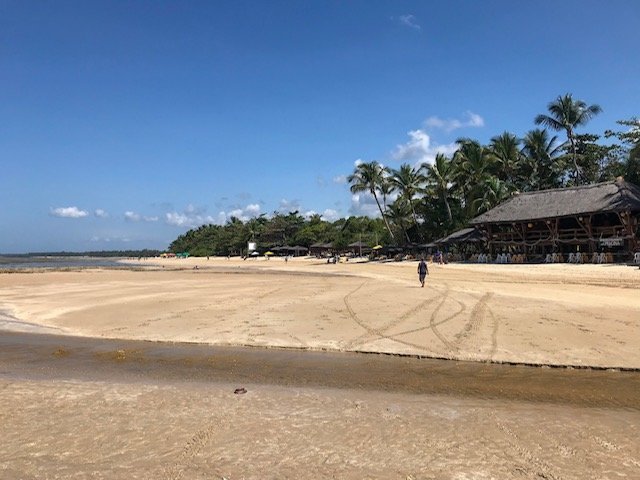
[(586, 219), (321, 249), (298, 250), (359, 248)]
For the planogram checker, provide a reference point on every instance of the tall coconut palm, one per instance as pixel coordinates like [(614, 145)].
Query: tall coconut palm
[(408, 182), (494, 191), (399, 214), (567, 114), (505, 149), (473, 165), (542, 152), (386, 189), (367, 177), (440, 177)]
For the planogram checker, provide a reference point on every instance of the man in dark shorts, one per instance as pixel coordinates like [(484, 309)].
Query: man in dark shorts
[(423, 271)]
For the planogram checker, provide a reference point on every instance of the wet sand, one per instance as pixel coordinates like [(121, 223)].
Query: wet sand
[(107, 403), (80, 407)]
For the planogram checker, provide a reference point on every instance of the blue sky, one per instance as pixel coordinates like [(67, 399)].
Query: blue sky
[(123, 124)]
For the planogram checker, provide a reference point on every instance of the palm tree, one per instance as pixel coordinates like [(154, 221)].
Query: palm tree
[(505, 149), (473, 165), (542, 152), (408, 181), (567, 114), (494, 191), (367, 177), (386, 189), (399, 213), (440, 178)]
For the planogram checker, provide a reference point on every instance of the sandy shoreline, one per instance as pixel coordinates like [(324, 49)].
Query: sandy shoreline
[(579, 315), (128, 408)]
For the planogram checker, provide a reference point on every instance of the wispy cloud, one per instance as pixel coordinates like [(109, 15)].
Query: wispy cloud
[(68, 212), (450, 124), (363, 204), (287, 206), (410, 21), (130, 216), (98, 239), (100, 213), (340, 179)]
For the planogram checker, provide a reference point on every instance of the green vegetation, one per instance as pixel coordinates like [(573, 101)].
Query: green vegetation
[(433, 200)]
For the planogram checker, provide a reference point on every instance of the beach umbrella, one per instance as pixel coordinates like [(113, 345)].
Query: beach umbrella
[(254, 254), (268, 253), (377, 247)]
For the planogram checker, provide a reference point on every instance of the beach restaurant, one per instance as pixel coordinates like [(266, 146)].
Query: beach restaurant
[(586, 219)]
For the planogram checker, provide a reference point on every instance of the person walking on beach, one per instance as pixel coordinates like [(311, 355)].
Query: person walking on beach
[(423, 271)]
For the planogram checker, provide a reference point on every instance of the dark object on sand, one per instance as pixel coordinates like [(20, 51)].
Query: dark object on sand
[(240, 390)]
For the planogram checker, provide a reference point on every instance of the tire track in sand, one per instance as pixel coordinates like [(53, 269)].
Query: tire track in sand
[(393, 323), (535, 466), (469, 337), (194, 445), (372, 331), (433, 322)]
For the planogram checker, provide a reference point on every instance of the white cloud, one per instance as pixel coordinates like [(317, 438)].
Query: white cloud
[(418, 149), (340, 179), (243, 214), (132, 216), (187, 220), (252, 210), (359, 161), (100, 213), (68, 212), (363, 204), (330, 215), (417, 146), (410, 21), (97, 239), (287, 206), (448, 125)]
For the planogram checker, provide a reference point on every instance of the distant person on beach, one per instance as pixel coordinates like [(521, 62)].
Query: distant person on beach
[(423, 271)]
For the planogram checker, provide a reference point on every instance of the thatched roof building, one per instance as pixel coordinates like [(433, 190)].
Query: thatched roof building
[(590, 216), (465, 235)]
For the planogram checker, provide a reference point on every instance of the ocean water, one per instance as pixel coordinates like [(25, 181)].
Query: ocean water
[(42, 262)]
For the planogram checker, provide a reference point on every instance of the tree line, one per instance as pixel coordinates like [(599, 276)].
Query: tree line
[(420, 203)]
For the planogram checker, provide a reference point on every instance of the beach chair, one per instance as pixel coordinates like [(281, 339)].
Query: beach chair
[(609, 257), (636, 258), (579, 257), (602, 258), (548, 258), (572, 258)]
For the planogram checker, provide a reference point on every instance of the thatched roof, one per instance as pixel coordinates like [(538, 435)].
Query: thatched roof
[(322, 245), (358, 245), (464, 235), (614, 196)]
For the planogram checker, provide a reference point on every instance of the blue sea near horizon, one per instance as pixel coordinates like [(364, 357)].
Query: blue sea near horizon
[(27, 262)]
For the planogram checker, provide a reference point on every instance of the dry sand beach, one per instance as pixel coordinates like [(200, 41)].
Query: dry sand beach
[(118, 420)]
